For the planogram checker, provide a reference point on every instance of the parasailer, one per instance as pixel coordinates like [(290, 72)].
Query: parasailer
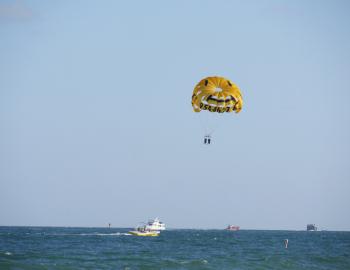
[(207, 139), (216, 95)]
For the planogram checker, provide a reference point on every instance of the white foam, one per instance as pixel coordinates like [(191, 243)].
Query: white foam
[(8, 253), (111, 234)]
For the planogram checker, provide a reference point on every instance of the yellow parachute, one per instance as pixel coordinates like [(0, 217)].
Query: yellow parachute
[(217, 94)]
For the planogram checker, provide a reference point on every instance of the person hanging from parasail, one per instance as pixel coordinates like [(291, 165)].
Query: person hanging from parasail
[(207, 139)]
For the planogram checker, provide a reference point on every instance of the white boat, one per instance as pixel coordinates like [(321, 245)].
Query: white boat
[(155, 225)]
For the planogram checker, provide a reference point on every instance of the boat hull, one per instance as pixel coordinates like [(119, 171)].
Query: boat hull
[(150, 233)]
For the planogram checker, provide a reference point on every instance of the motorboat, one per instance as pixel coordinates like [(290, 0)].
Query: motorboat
[(232, 228), (311, 227), (151, 228), (155, 225)]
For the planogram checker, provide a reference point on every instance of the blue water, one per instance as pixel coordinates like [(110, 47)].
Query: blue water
[(103, 248)]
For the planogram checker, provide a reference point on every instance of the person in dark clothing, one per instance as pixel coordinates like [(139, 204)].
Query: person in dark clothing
[(207, 139)]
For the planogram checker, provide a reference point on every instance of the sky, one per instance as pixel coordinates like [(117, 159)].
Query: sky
[(96, 123)]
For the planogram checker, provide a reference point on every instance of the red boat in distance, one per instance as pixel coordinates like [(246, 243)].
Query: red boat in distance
[(232, 228)]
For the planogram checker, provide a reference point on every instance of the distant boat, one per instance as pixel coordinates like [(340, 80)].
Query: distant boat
[(155, 225), (232, 228), (152, 228), (311, 227)]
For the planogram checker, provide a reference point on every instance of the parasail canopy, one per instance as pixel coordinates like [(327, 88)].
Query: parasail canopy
[(217, 95)]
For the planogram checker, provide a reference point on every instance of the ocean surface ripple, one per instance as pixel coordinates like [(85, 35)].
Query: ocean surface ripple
[(103, 248)]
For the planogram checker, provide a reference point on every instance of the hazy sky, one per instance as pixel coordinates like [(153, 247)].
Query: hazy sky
[(96, 123)]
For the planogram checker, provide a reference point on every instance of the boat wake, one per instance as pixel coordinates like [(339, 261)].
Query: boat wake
[(103, 234), (90, 234)]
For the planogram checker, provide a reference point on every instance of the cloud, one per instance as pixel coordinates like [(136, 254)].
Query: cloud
[(15, 11)]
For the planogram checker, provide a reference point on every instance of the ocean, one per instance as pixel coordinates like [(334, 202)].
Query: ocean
[(113, 248)]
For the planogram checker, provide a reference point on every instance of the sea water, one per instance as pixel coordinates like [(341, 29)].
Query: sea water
[(113, 248)]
